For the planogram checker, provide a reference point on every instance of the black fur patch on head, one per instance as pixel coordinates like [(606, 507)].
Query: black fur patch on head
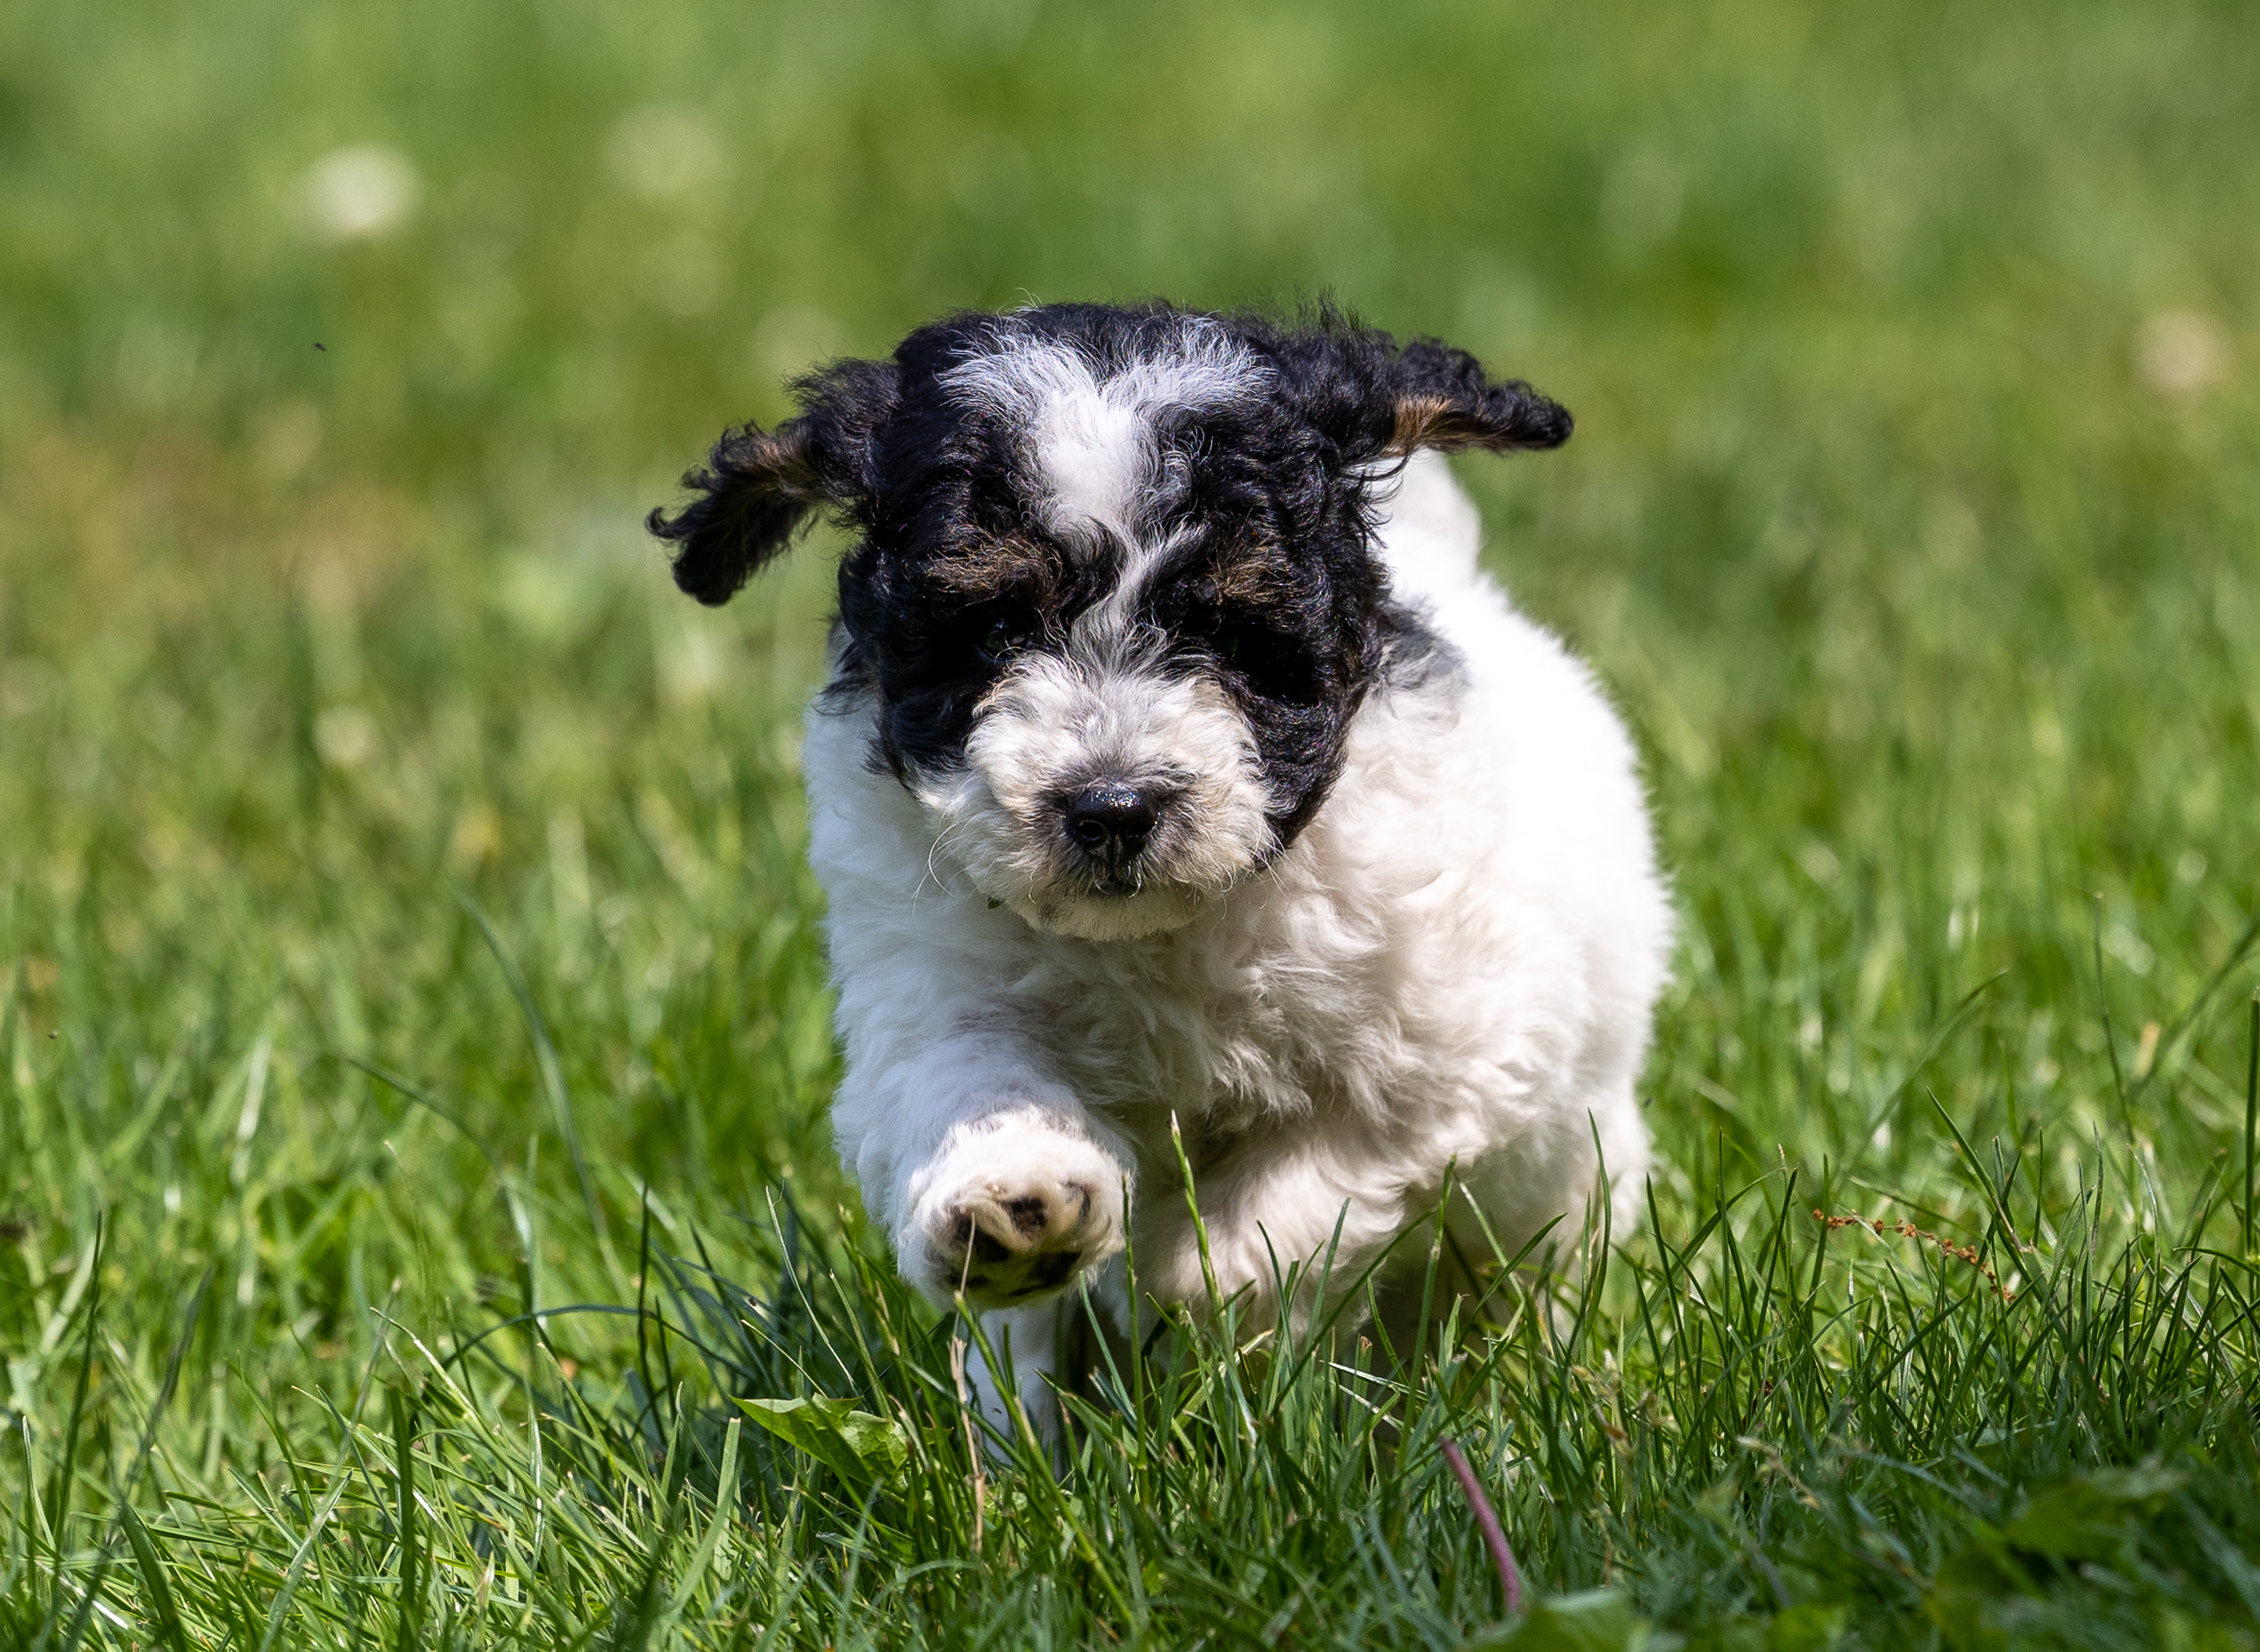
[(1263, 496)]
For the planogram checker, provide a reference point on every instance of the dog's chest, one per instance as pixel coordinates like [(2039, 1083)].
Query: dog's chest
[(1226, 1023)]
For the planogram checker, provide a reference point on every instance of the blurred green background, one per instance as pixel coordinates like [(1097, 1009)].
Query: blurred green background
[(1911, 513), (1912, 517)]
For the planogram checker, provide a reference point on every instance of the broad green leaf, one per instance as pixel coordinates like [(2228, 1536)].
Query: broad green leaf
[(858, 1447), (1811, 1627), (1966, 1599), (2092, 1517), (1731, 1635), (2179, 1633), (2143, 1484), (1598, 1620)]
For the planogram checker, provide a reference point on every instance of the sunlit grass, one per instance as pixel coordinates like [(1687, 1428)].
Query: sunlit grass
[(413, 1048)]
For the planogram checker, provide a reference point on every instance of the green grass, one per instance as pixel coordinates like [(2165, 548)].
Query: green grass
[(403, 925)]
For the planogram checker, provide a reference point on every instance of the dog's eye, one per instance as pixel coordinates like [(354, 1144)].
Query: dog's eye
[(1274, 666), (1003, 639), (1210, 624)]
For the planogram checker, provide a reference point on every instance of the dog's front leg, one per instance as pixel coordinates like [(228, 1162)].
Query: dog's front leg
[(993, 1181)]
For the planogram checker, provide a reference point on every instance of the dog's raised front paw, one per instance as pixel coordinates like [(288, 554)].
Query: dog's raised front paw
[(1012, 1214)]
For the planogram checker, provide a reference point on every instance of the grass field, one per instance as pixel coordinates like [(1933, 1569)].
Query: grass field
[(408, 972)]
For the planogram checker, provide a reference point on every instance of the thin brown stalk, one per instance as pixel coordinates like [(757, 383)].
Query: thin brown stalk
[(1510, 1578)]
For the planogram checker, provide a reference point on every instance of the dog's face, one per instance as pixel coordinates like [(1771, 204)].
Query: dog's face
[(1115, 598)]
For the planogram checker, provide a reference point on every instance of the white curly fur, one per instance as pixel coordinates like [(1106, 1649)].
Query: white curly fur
[(1454, 966)]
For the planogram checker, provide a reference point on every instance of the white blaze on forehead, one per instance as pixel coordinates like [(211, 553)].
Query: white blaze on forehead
[(1092, 437)]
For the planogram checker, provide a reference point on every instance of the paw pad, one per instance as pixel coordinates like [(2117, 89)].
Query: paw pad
[(1002, 1244)]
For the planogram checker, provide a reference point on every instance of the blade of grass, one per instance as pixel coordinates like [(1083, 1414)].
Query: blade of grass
[(2110, 1037), (124, 1504), (410, 1635), (150, 1565), (59, 1499), (552, 1072), (2251, 1113)]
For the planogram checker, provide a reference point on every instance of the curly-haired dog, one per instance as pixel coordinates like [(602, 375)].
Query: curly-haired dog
[(1179, 767)]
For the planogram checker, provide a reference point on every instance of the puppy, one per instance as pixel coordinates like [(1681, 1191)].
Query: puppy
[(1181, 779)]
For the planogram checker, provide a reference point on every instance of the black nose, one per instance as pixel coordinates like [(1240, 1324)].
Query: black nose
[(1111, 820)]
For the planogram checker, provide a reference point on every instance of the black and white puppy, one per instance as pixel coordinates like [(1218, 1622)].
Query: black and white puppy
[(1179, 764)]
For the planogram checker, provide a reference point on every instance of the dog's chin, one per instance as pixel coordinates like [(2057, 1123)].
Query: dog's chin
[(1154, 909)]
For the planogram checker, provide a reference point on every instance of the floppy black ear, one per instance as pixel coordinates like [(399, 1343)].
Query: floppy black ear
[(757, 487), (1440, 397), (754, 489), (1374, 399)]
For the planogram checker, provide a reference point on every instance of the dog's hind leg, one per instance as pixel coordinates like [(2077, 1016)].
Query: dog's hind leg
[(1023, 1343), (1040, 1352), (1288, 1214)]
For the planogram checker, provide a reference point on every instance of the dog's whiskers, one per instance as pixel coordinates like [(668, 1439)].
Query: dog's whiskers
[(932, 874)]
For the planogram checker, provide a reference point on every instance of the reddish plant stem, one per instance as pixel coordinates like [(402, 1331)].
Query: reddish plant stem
[(1510, 1578)]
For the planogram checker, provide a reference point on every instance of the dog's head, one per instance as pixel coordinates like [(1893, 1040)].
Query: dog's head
[(1115, 598)]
